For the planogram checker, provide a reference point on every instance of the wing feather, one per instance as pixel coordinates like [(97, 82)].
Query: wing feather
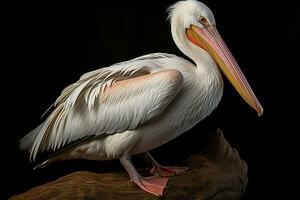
[(106, 101)]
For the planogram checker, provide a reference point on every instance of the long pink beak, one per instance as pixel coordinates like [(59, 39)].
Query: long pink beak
[(210, 40)]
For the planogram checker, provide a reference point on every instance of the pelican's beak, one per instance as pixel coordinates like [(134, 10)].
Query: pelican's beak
[(210, 40)]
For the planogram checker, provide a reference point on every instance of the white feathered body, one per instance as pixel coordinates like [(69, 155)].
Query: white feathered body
[(133, 107)]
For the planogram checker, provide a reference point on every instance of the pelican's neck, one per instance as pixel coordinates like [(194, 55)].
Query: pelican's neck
[(202, 59)]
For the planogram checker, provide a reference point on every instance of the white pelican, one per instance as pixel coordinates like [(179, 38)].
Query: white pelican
[(134, 106)]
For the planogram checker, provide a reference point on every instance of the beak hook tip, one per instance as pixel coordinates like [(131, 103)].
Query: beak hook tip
[(260, 112)]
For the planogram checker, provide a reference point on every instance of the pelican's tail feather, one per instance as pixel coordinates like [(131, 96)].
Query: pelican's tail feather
[(45, 163), (27, 141)]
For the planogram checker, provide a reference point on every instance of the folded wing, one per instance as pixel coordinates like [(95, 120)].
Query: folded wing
[(105, 101)]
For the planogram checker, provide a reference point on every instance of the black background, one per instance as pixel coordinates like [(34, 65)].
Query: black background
[(49, 45)]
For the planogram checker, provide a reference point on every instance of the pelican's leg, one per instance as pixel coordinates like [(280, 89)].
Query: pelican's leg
[(164, 170), (153, 184)]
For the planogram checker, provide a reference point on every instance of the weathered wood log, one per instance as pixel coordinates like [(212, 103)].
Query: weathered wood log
[(215, 173)]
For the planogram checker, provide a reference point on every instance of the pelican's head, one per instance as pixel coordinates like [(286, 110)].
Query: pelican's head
[(194, 31)]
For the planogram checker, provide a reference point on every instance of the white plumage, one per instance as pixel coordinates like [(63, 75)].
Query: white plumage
[(134, 106), (122, 97)]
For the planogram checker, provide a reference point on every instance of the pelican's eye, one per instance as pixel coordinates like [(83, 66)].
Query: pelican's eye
[(202, 20)]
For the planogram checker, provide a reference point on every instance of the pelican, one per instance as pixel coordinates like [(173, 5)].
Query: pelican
[(137, 105)]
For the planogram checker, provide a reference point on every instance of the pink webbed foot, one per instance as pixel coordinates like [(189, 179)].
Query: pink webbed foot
[(153, 184), (167, 170)]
